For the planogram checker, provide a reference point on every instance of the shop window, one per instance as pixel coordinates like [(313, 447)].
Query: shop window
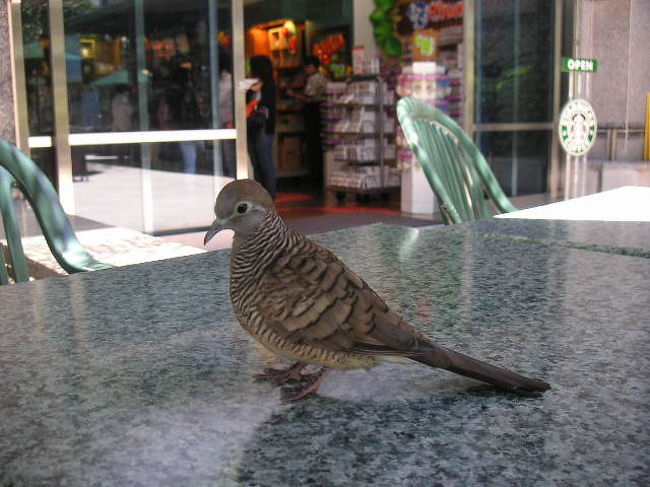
[(36, 48), (519, 159), (131, 69), (514, 61)]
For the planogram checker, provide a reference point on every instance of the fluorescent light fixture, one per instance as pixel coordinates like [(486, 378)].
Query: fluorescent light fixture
[(40, 142), (150, 137), (110, 138)]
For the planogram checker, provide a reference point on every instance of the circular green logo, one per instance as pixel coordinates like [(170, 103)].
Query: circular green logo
[(577, 127)]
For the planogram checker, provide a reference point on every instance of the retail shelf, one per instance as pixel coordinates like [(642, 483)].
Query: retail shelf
[(373, 172), (372, 162), (352, 189), (365, 134), (343, 104)]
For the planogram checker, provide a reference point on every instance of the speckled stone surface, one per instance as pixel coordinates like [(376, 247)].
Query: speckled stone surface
[(626, 238), (140, 375), (7, 122)]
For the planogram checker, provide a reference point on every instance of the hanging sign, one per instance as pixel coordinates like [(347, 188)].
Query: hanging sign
[(326, 49), (424, 45), (416, 15), (577, 127), (571, 65)]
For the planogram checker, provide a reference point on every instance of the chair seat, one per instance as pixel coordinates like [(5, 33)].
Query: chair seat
[(19, 171)]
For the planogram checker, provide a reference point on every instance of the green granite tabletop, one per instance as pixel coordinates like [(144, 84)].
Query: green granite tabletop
[(620, 237), (141, 375)]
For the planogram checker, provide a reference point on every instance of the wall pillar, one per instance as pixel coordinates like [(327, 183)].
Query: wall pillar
[(8, 120), (362, 32)]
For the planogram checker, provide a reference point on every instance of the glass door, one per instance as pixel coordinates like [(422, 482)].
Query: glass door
[(514, 91), (143, 97)]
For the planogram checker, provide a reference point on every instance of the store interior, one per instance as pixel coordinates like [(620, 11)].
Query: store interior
[(141, 67), (365, 160)]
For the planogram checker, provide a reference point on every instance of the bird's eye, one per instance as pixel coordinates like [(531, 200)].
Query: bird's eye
[(242, 208)]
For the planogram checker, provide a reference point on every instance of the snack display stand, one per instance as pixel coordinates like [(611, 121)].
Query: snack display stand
[(359, 128)]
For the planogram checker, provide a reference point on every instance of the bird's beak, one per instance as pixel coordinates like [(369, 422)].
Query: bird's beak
[(215, 228)]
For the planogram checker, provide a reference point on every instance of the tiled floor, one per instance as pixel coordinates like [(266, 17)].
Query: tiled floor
[(321, 214), (316, 213)]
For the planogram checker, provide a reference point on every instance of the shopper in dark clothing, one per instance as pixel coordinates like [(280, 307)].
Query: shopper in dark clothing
[(261, 123), (312, 96)]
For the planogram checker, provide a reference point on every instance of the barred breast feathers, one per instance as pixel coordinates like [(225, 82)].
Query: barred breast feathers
[(250, 259)]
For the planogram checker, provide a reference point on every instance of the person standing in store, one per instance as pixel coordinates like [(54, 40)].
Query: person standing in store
[(122, 112), (261, 123), (312, 96), (187, 116)]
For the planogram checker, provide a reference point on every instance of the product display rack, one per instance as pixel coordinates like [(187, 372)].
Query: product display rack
[(290, 124), (359, 126)]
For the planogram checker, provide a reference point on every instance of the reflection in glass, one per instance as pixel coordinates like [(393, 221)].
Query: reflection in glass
[(147, 65), (108, 185), (132, 66), (193, 157), (36, 46), (45, 160), (111, 186), (519, 159), (514, 61), (183, 200)]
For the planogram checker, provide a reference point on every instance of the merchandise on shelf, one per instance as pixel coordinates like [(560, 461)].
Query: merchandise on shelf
[(425, 81), (451, 59), (351, 108), (436, 83), (365, 177), (450, 35), (362, 150), (359, 127)]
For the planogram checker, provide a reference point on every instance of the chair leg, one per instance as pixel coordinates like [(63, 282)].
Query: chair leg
[(19, 267), (4, 277)]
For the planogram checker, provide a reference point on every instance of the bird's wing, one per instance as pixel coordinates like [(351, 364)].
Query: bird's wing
[(309, 296)]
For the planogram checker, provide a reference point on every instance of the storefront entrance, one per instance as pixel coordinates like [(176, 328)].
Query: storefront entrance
[(131, 107)]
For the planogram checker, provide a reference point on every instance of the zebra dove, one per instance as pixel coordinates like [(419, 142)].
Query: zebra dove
[(301, 302)]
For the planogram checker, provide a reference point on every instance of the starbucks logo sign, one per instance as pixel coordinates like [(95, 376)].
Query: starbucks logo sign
[(577, 127)]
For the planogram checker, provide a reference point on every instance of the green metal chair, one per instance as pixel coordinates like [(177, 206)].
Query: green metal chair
[(16, 169), (455, 168)]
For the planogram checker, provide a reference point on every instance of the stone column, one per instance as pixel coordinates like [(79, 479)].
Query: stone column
[(616, 33), (8, 119)]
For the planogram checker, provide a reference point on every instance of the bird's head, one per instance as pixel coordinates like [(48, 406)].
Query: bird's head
[(241, 206)]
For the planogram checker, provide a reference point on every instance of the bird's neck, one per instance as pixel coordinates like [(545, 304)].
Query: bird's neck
[(261, 238)]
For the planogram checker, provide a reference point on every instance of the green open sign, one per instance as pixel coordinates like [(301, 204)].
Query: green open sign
[(570, 64)]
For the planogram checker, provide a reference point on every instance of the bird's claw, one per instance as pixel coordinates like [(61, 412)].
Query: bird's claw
[(304, 389), (282, 376)]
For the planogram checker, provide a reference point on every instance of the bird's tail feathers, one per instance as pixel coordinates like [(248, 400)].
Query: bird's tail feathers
[(444, 358)]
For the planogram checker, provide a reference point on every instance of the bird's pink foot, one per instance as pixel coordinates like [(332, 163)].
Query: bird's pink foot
[(280, 376), (307, 388)]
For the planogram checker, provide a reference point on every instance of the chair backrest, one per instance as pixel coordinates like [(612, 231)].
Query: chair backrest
[(16, 169), (455, 168)]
